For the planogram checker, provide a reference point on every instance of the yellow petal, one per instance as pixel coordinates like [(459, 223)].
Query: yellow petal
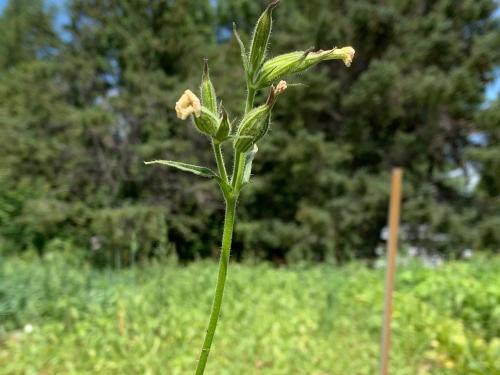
[(188, 104)]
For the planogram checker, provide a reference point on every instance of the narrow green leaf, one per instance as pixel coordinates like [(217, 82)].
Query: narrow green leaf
[(248, 164), (197, 170), (244, 56)]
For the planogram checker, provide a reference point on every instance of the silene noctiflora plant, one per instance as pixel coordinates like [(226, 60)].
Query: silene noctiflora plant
[(213, 121)]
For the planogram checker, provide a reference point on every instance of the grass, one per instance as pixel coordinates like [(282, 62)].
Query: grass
[(317, 320)]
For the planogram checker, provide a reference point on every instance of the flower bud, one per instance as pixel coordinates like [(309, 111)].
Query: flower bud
[(260, 38), (208, 97), (256, 122), (295, 62), (207, 122), (252, 128), (224, 128), (188, 104)]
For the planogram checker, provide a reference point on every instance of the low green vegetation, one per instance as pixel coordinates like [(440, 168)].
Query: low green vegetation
[(82, 109), (59, 316)]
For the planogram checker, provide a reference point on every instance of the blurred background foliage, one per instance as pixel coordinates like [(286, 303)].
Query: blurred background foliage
[(59, 316), (82, 108)]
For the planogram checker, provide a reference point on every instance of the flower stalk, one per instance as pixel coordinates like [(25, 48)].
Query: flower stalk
[(221, 282), (213, 122)]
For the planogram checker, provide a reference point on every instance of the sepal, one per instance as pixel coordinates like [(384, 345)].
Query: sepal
[(224, 129), (244, 56), (260, 38), (208, 96), (207, 122)]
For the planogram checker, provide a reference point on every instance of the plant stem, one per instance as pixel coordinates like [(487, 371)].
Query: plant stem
[(220, 160), (239, 172), (236, 168), (250, 99), (227, 235), (221, 281), (239, 158)]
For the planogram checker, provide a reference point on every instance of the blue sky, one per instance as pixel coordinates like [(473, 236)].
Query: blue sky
[(492, 91), (61, 17)]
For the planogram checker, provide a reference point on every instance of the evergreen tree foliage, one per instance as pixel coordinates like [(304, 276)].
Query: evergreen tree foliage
[(80, 115)]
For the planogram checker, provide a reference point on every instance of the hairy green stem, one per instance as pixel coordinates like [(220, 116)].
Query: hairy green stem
[(238, 159), (220, 160), (250, 99), (239, 172), (221, 281), (231, 198)]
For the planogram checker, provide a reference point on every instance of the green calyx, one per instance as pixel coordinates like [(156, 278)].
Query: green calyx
[(256, 122), (295, 62), (252, 128), (224, 129), (208, 96), (207, 123), (260, 38)]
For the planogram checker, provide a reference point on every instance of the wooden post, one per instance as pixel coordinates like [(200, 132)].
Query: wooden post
[(392, 248)]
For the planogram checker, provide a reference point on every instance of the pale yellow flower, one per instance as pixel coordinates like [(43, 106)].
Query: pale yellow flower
[(347, 54), (187, 105)]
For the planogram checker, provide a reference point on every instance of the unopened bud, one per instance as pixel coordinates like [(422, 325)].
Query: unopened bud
[(295, 62), (188, 104), (256, 122), (208, 96), (260, 38), (252, 128)]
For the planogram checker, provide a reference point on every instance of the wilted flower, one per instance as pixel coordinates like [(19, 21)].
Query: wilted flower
[(347, 54), (295, 62), (281, 87), (187, 105)]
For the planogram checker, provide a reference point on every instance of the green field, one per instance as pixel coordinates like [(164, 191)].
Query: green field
[(62, 317)]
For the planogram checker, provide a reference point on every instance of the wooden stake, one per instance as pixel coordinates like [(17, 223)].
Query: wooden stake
[(392, 248)]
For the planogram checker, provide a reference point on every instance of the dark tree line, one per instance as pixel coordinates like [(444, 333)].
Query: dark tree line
[(80, 113)]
